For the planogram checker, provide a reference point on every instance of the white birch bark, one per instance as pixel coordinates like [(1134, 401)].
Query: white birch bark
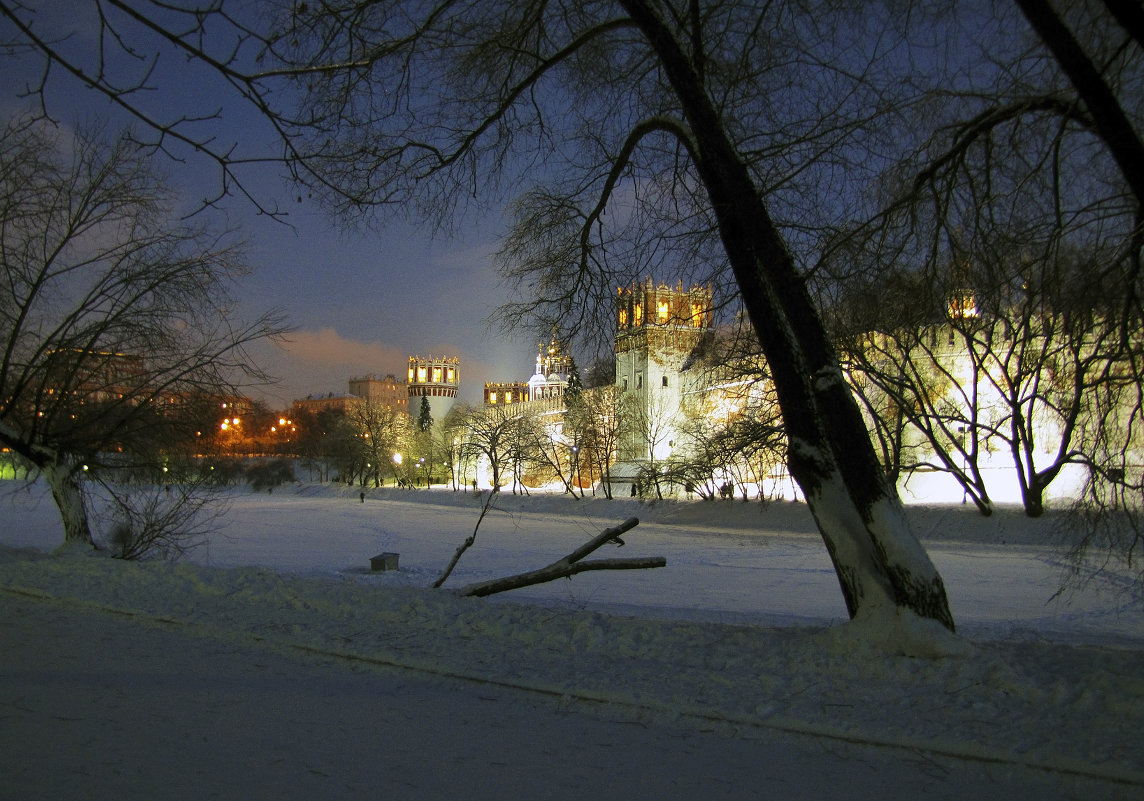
[(68, 495)]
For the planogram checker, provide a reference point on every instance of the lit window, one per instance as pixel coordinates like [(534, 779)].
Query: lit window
[(623, 317), (492, 397), (410, 373), (963, 305), (662, 311), (452, 375), (639, 314), (422, 373), (697, 314), (436, 375)]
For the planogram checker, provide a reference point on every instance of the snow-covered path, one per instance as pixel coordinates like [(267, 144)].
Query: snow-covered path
[(94, 705), (274, 664)]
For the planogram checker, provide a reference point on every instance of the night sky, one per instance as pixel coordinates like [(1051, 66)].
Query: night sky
[(360, 301), (363, 302)]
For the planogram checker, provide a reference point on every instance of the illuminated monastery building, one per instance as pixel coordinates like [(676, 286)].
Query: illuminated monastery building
[(548, 382)]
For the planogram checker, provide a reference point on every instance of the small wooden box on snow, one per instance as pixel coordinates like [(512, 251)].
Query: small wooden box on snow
[(383, 561)]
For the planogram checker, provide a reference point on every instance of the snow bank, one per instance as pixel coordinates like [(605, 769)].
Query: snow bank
[(1061, 708)]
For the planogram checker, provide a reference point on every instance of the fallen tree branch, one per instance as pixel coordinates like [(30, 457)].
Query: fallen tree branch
[(467, 544), (570, 565), (558, 570), (607, 535)]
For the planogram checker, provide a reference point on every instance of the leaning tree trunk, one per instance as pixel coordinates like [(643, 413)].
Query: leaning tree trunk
[(68, 495), (881, 566)]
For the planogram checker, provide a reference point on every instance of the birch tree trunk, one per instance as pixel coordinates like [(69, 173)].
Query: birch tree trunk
[(68, 495)]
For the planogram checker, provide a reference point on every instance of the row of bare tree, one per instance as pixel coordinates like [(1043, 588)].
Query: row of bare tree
[(513, 447), (1041, 376)]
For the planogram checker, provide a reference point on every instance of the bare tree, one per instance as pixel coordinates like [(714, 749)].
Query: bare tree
[(732, 424), (600, 420), (114, 316), (722, 452), (553, 441), (1095, 77), (160, 520), (652, 418), (1027, 164), (319, 445), (524, 439), (1057, 351), (1109, 515), (491, 439), (910, 357), (450, 437), (383, 432)]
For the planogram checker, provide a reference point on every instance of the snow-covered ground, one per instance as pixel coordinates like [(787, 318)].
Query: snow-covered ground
[(274, 664)]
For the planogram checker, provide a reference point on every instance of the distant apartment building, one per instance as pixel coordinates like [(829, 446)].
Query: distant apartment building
[(435, 378), (379, 390), (386, 390), (94, 376), (340, 402)]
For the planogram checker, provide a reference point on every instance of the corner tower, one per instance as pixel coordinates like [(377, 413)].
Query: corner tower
[(657, 329), (436, 378)]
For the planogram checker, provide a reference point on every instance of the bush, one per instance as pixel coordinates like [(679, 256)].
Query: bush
[(268, 475), (153, 522)]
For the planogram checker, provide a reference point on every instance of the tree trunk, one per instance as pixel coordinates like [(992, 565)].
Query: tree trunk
[(66, 492), (881, 566), (1033, 498)]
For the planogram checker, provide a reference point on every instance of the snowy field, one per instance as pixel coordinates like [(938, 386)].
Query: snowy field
[(274, 664)]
